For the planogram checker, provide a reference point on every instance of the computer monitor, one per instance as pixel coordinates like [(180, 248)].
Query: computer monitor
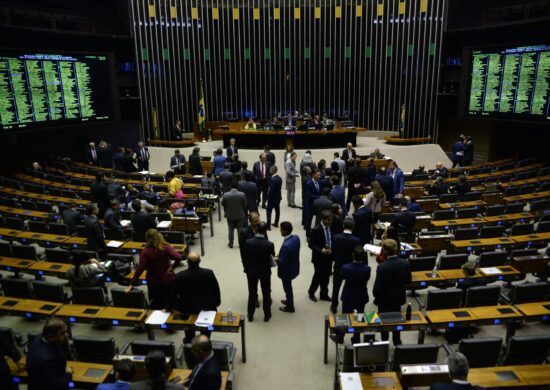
[(367, 355)]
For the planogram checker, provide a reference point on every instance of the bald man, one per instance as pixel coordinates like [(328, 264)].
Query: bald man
[(195, 289), (348, 153), (206, 374)]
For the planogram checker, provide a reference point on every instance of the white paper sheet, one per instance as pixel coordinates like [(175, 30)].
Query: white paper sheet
[(490, 271), (125, 222), (114, 244), (375, 250), (205, 318), (164, 224), (157, 317), (350, 381)]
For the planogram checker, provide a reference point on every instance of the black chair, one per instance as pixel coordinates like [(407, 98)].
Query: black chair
[(440, 215), (89, 296), (5, 249), (544, 186), (143, 347), (174, 237), (511, 191), (422, 263), (224, 352), (467, 213), (59, 228), (466, 234), (543, 227), (69, 194), (386, 217), (448, 198), (527, 350), (528, 189), (444, 299), (81, 231), (138, 236), (527, 292), (28, 205), (38, 227), (24, 252), (18, 288), (472, 196), (539, 205), (46, 291), (492, 259), (44, 207), (491, 231), (99, 350), (58, 255), (524, 252), (415, 354), (481, 352), (453, 261), (54, 191), (492, 211), (515, 208), (14, 223), (522, 229), (134, 299), (114, 234), (482, 296)]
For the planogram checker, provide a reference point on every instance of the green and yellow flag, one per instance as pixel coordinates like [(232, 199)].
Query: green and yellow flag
[(202, 112), (402, 127)]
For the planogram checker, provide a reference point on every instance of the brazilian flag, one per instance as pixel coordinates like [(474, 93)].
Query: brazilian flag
[(402, 127), (202, 113)]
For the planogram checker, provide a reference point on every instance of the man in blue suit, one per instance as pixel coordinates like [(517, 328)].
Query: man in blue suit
[(338, 194), (363, 220), (219, 162), (125, 373), (457, 156), (398, 179), (386, 183), (343, 245), (312, 191), (288, 263), (274, 197)]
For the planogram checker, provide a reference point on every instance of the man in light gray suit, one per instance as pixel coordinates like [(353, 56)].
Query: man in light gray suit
[(234, 207), (291, 175), (320, 204)]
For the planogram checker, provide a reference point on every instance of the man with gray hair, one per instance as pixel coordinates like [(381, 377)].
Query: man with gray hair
[(458, 372)]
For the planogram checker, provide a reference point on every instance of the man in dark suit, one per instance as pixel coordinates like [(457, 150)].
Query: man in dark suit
[(274, 197), (72, 218), (398, 179), (232, 148), (320, 242), (99, 194), (386, 183), (348, 153), (235, 165), (94, 231), (195, 289), (206, 374), (354, 181), (111, 219), (343, 245), (141, 220), (269, 155), (248, 188), (404, 220), (261, 174), (142, 156), (47, 357), (440, 171), (177, 130), (258, 252), (157, 369), (118, 160), (195, 167), (288, 263), (377, 155), (234, 209), (177, 162), (363, 220), (115, 190), (105, 155), (321, 203), (312, 191), (457, 155), (338, 194), (226, 177), (468, 151), (392, 277), (91, 154), (458, 372)]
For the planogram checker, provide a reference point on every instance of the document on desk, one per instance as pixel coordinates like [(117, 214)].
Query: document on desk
[(490, 271), (125, 223), (350, 381), (144, 172), (114, 244), (205, 318), (375, 250), (157, 317), (164, 224), (406, 247)]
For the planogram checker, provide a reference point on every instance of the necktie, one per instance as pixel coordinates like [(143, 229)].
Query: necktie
[(316, 186), (93, 154), (327, 237), (263, 170), (143, 154)]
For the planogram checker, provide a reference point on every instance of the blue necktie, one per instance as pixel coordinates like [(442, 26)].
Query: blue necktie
[(327, 237)]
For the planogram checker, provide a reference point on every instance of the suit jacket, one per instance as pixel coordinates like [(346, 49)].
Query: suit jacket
[(248, 188), (118, 385), (100, 195), (290, 171), (115, 191), (181, 160), (72, 218), (209, 377), (468, 152), (195, 289), (356, 275), (148, 384), (105, 157), (338, 195), (310, 194), (257, 256), (270, 157), (89, 157), (353, 176), (342, 249), (230, 152), (376, 156), (218, 164), (404, 221), (142, 221), (363, 221), (111, 220), (398, 181), (443, 172), (118, 161), (139, 156), (317, 242), (346, 154), (320, 204), (289, 258), (96, 238), (274, 191), (391, 278), (226, 178), (46, 364), (195, 164), (257, 173), (454, 386), (234, 205), (236, 166), (386, 183), (457, 147)]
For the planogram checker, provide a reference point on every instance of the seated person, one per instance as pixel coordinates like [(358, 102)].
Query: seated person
[(469, 269), (250, 125), (155, 364), (461, 188), (440, 171), (389, 233), (174, 185), (144, 206), (458, 372), (125, 372), (148, 193), (327, 122), (376, 154), (439, 187), (209, 375), (421, 170), (85, 271), (413, 206)]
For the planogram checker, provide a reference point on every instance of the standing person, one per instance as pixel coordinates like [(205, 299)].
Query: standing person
[(320, 243), (248, 188), (105, 155), (337, 226), (128, 161), (369, 172), (269, 155), (155, 259), (338, 193), (398, 179), (249, 231), (72, 218), (195, 289), (392, 277), (234, 207), (468, 151), (142, 156), (226, 178), (261, 174), (206, 374), (343, 245), (94, 231), (47, 357), (349, 153), (457, 156), (177, 162), (118, 160), (312, 191), (288, 151), (288, 263), (353, 180), (320, 204), (291, 175), (177, 130), (386, 183), (236, 164), (100, 194), (91, 154), (195, 162), (376, 200), (219, 162), (274, 197), (363, 220), (341, 163), (258, 253), (232, 148)]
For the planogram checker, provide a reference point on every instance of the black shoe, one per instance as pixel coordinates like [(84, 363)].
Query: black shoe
[(287, 309), (312, 298), (276, 225), (250, 318), (257, 303), (230, 245), (283, 301), (267, 317), (263, 206), (289, 206), (325, 298), (333, 309), (292, 206), (268, 227)]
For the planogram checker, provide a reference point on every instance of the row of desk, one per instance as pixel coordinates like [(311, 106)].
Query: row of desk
[(509, 315)]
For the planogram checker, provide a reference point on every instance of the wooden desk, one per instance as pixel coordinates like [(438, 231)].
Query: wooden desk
[(121, 316), (79, 313), (534, 374), (535, 311), (532, 180), (530, 264), (488, 377), (527, 197), (28, 214), (179, 321), (43, 198), (469, 222), (449, 318), (51, 183), (370, 380), (76, 242), (530, 239), (462, 205), (424, 279), (9, 234), (512, 218), (41, 238), (28, 308), (434, 243), (483, 243), (14, 264), (135, 247), (185, 373), (48, 268)]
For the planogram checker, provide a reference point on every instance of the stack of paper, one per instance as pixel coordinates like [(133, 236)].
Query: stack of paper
[(375, 250), (125, 222), (490, 271), (114, 244), (350, 381), (205, 318), (164, 224), (158, 317)]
